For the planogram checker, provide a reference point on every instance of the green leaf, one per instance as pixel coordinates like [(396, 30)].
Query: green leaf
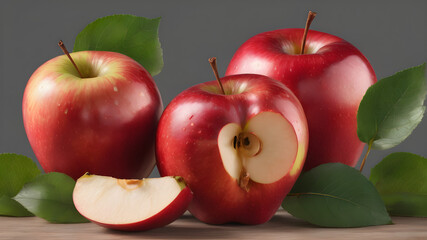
[(336, 195), (49, 196), (392, 108), (10, 207), (401, 180), (136, 37), (15, 171)]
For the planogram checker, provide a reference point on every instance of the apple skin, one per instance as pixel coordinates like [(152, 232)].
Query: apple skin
[(187, 146), (104, 124), (169, 214), (330, 82)]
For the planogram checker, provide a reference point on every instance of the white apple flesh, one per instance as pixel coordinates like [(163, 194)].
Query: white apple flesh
[(131, 204), (265, 153)]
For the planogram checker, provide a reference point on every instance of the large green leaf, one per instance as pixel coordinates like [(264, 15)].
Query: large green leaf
[(136, 37), (336, 195), (49, 196), (392, 108), (401, 180), (15, 171)]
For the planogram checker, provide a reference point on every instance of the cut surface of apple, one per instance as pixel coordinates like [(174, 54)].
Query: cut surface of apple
[(131, 204), (263, 150)]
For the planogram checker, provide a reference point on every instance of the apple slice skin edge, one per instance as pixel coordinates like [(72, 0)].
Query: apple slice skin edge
[(166, 216)]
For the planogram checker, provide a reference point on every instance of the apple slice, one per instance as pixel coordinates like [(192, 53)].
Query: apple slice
[(263, 151), (131, 204)]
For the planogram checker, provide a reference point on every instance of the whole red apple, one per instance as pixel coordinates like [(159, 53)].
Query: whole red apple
[(239, 152), (329, 79), (103, 123)]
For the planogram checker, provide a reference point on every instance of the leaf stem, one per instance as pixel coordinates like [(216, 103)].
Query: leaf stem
[(310, 18), (64, 49), (212, 61), (366, 154)]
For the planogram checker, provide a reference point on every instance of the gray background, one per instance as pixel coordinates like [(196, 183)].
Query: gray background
[(391, 34)]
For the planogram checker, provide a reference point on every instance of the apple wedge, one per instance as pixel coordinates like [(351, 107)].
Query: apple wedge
[(131, 204)]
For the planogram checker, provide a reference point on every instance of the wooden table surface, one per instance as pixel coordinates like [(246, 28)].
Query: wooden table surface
[(281, 226)]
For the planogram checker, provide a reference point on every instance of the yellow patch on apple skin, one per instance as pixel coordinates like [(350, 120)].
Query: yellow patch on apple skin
[(60, 71), (298, 164), (230, 88), (90, 65)]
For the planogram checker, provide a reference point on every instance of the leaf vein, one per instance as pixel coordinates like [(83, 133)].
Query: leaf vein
[(325, 195)]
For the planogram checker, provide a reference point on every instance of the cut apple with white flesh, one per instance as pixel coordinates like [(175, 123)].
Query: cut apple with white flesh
[(262, 151), (131, 204)]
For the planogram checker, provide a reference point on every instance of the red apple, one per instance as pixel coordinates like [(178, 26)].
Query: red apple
[(131, 204), (240, 153), (103, 123), (330, 80)]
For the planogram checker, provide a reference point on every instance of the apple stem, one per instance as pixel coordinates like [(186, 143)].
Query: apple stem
[(310, 19), (64, 49), (366, 155), (212, 61)]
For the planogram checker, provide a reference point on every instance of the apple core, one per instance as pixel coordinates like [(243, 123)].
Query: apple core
[(247, 144), (130, 184)]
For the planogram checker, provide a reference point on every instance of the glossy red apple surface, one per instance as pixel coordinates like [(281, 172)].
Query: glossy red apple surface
[(103, 123), (329, 79), (131, 204), (240, 152)]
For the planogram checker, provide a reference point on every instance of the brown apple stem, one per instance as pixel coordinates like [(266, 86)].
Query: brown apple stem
[(310, 19), (244, 179), (366, 155), (64, 49), (212, 61)]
